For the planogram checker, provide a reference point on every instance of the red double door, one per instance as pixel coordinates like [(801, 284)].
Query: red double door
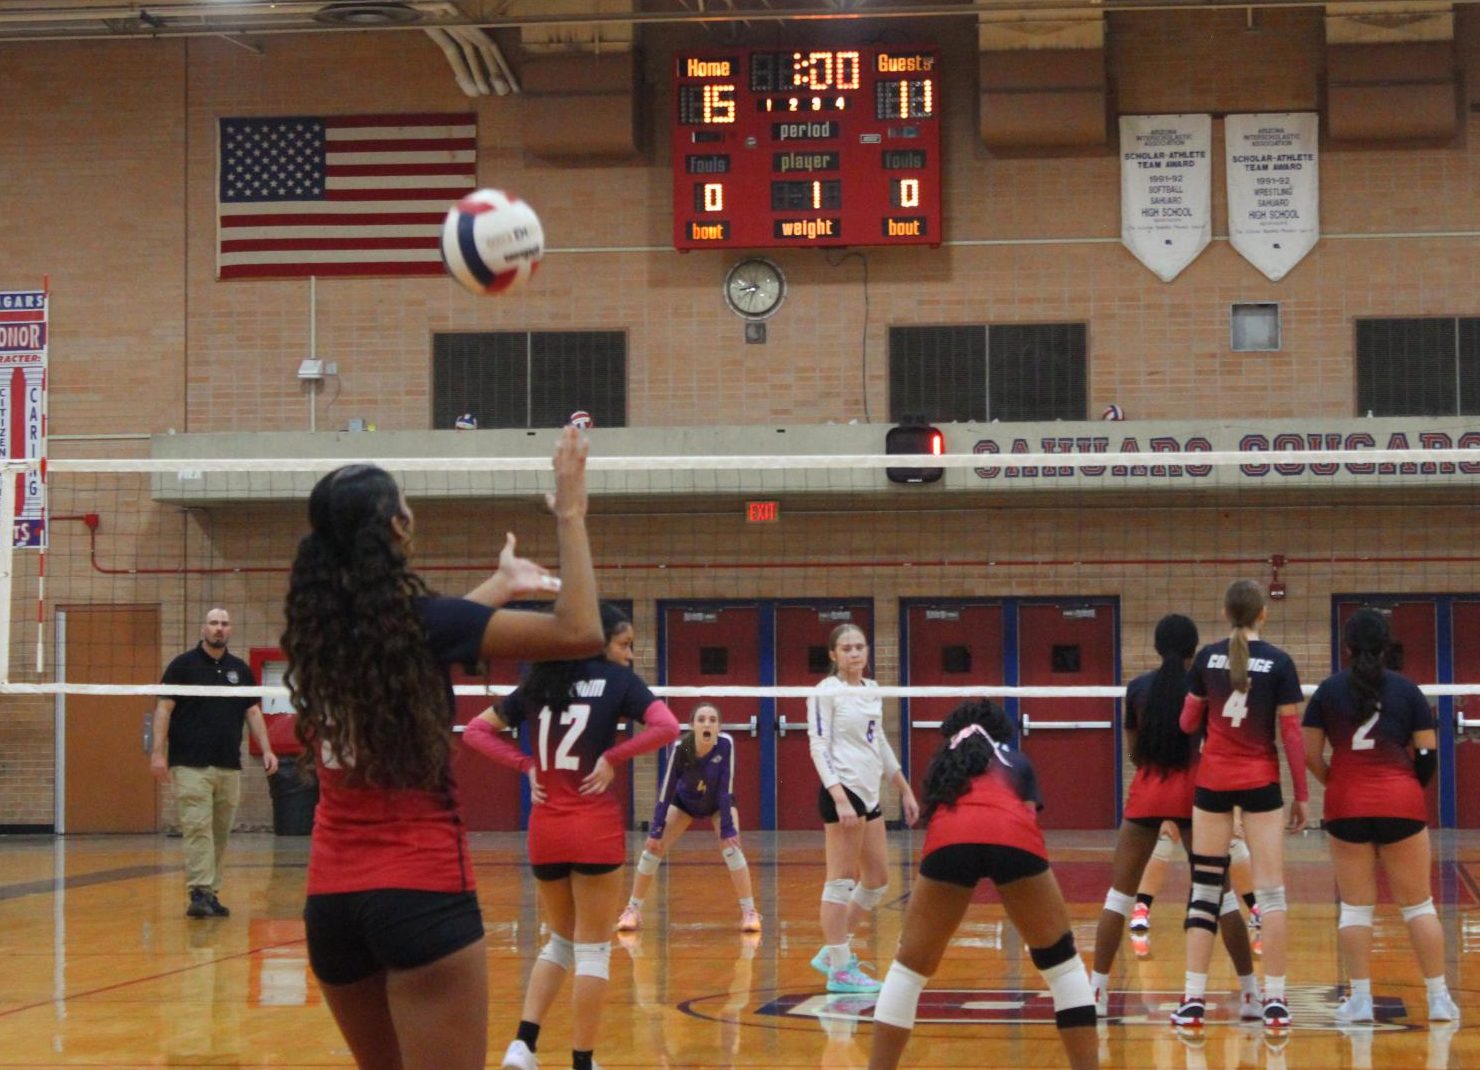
[(1071, 741), (751, 645)]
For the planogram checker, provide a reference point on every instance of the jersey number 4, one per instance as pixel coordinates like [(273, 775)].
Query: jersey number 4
[(573, 719), (1237, 707)]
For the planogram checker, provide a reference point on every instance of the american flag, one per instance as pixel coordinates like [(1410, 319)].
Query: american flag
[(339, 195)]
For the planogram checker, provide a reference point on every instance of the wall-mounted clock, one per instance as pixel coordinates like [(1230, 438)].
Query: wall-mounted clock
[(755, 288)]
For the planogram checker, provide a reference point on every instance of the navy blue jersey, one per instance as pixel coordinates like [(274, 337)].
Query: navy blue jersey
[(567, 744), (1240, 749), (1371, 765)]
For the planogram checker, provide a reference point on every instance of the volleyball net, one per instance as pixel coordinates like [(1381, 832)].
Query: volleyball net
[(1034, 578)]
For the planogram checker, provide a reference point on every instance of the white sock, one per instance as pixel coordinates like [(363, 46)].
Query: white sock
[(1248, 985), (747, 903), (1437, 986), (1361, 989), (1274, 987), (1099, 982), (838, 956), (1195, 986)]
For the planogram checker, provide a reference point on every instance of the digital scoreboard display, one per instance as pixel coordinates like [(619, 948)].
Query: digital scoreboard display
[(806, 147)]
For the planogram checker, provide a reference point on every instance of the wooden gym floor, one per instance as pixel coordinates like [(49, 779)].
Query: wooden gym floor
[(99, 967)]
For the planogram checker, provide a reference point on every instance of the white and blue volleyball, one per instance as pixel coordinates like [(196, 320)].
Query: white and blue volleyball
[(492, 242), (1113, 412)]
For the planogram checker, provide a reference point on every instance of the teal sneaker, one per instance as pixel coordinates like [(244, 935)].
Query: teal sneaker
[(852, 979)]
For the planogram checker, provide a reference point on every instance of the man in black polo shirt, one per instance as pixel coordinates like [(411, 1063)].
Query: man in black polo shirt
[(198, 748)]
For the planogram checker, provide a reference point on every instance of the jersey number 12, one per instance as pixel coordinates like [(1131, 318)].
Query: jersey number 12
[(573, 718)]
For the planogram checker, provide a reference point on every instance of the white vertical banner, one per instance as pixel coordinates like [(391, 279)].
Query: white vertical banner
[(1274, 188), (1166, 189), (23, 351)]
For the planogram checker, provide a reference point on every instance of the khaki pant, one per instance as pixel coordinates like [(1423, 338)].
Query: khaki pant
[(207, 799)]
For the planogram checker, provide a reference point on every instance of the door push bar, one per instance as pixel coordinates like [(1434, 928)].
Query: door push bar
[(1461, 722), (1042, 725), (784, 726), (742, 726)]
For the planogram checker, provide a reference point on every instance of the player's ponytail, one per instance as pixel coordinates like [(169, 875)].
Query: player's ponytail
[(1160, 741), (550, 683), (963, 754), (1366, 638), (1242, 603)]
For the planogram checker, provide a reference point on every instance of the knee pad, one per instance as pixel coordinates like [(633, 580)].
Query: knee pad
[(734, 858), (1238, 852), (1418, 910), (838, 891), (1229, 905), (1073, 999), (593, 960), (1203, 901), (868, 898), (648, 863), (900, 997), (1270, 899), (1119, 903), (1162, 852), (560, 951), (1355, 916)]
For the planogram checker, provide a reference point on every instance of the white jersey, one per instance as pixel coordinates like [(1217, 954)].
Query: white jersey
[(846, 734)]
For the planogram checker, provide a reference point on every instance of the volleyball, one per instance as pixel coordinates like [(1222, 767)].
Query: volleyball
[(492, 242), (1113, 412), (466, 422), (581, 419)]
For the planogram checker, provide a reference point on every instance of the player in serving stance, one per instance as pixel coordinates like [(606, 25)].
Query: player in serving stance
[(395, 936), (853, 758), (1383, 753), (699, 783), (1245, 691), (981, 802), (1165, 758), (577, 833)]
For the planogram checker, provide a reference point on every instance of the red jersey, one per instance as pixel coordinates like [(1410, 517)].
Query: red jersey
[(367, 838), (569, 826), (1157, 792), (1242, 725), (1371, 767), (1000, 807)]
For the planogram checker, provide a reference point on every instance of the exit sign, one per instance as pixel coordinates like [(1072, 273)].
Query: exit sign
[(762, 512)]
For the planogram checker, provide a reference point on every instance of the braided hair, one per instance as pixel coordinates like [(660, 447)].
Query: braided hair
[(1366, 638), (952, 769), (1160, 741)]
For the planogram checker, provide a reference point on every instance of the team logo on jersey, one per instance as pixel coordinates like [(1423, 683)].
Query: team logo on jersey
[(232, 676), (1311, 1006)]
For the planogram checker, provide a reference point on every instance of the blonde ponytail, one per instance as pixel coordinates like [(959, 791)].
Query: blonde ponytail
[(1242, 602)]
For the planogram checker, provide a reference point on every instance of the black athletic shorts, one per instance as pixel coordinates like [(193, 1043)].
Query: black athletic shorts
[(558, 871), (1184, 824), (1252, 800), (829, 809), (353, 935), (967, 863), (1378, 830)]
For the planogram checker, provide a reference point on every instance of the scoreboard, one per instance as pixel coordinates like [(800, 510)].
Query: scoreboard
[(806, 147)]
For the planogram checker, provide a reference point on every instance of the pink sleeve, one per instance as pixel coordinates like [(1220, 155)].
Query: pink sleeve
[(660, 728), (1295, 756), (1194, 708), (495, 746)]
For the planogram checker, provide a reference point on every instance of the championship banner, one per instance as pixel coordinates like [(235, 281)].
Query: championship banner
[(1273, 188), (1166, 186), (23, 330)]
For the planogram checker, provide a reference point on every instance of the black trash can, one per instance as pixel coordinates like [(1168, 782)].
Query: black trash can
[(293, 799)]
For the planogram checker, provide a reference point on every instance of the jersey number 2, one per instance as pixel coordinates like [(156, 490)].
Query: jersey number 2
[(574, 719), (1362, 738), (1237, 707)]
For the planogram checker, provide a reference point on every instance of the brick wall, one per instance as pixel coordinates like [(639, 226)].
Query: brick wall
[(116, 146)]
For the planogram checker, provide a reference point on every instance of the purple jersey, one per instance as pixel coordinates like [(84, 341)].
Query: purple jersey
[(704, 788)]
